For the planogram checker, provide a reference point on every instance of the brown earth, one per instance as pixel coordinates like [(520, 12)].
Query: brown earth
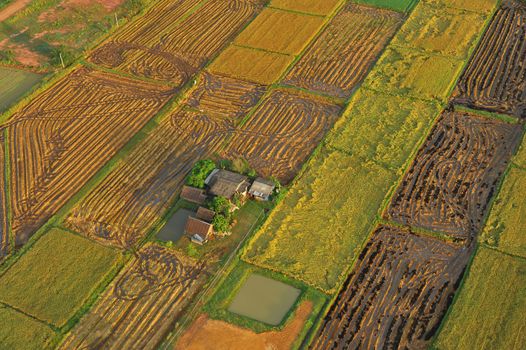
[(454, 175), (13, 8), (205, 334), (495, 78), (396, 295)]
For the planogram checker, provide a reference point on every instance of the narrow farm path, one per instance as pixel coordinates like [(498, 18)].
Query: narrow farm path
[(13, 8)]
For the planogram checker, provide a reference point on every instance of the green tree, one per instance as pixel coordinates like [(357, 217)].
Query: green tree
[(220, 205), (199, 173), (221, 223)]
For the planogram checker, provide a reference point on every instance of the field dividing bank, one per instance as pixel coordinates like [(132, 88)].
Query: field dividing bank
[(174, 40), (338, 197), (493, 291)]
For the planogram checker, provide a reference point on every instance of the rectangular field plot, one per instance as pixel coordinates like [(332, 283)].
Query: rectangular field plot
[(480, 6), (20, 332), (397, 294), (14, 83), (158, 284), (253, 65), (134, 196), (264, 299), (340, 58), (446, 31), (495, 78), (505, 226), (56, 276), (166, 46), (316, 231), (75, 127), (4, 234), (272, 30), (316, 7), (282, 133), (489, 311), (396, 5), (454, 175), (383, 128), (415, 74)]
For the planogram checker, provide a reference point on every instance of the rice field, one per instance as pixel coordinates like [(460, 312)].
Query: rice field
[(14, 84)]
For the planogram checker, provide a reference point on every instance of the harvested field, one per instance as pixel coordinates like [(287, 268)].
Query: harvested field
[(489, 311), (282, 133), (495, 78), (441, 30), (317, 230), (20, 332), (454, 175), (167, 46), (272, 29), (206, 333), (414, 74), (249, 64), (135, 195), (4, 234), (505, 225), (340, 58), (397, 294), (316, 7), (76, 126), (155, 286), (56, 276)]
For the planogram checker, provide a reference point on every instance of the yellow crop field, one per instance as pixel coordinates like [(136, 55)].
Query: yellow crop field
[(520, 157), (250, 64), (20, 332), (485, 315), (505, 226), (317, 7), (318, 229), (280, 31), (449, 32), (480, 6), (413, 73)]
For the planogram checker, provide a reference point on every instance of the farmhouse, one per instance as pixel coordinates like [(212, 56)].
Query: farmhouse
[(194, 195), (198, 230), (227, 183), (261, 189), (205, 214)]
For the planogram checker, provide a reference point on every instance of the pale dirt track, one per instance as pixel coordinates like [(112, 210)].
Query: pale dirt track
[(13, 8)]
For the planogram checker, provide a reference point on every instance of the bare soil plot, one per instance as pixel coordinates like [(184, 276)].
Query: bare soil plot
[(56, 276), (250, 64), (166, 46), (495, 78), (75, 127), (206, 333), (281, 133), (280, 31), (397, 294), (454, 175), (449, 32), (142, 304), (135, 195), (316, 7), (341, 56)]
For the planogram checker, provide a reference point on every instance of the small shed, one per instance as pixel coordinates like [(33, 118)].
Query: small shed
[(227, 183), (198, 230), (262, 189), (194, 195), (205, 214)]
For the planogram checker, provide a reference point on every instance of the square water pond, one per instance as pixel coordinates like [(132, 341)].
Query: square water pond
[(264, 299), (174, 228)]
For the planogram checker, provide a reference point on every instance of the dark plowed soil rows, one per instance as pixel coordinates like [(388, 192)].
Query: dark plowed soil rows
[(171, 44), (65, 135), (342, 55), (495, 78), (133, 197), (397, 294), (449, 184), (4, 236), (141, 305), (281, 134)]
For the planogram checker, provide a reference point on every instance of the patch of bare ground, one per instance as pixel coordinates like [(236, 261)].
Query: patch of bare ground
[(206, 334)]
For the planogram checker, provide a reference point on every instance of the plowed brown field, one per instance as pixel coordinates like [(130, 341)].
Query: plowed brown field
[(342, 55), (454, 175), (171, 43), (281, 133), (121, 209), (141, 305), (397, 294), (74, 128), (495, 78)]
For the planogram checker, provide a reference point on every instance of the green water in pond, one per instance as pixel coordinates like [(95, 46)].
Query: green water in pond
[(174, 228)]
